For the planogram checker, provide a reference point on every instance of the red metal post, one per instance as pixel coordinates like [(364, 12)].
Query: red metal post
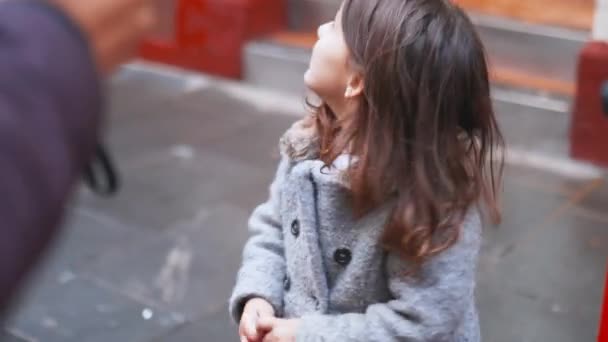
[(603, 329), (589, 131)]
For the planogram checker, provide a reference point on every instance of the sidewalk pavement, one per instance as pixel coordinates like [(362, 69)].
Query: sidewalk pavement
[(157, 263)]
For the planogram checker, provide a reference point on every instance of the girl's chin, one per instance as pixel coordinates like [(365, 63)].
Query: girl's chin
[(308, 79)]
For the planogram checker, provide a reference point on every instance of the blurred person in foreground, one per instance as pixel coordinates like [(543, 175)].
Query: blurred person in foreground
[(54, 55)]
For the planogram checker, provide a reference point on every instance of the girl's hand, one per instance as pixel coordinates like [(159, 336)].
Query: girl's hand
[(254, 310), (278, 330)]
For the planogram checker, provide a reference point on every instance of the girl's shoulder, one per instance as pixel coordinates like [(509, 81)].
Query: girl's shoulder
[(301, 141), (472, 226)]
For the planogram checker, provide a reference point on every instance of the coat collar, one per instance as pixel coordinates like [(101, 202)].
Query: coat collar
[(301, 141)]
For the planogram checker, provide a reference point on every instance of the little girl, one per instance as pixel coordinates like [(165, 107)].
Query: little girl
[(372, 229)]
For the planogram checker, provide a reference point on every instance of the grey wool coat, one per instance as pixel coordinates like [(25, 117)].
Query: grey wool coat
[(312, 260)]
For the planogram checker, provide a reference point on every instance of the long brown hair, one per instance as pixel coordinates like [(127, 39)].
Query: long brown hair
[(424, 133)]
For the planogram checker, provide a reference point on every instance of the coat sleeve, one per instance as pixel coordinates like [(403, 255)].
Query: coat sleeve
[(263, 269), (50, 103), (428, 309)]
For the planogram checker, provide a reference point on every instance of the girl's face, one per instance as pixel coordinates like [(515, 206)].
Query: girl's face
[(330, 74)]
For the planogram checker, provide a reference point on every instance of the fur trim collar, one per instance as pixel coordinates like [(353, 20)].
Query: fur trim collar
[(301, 141)]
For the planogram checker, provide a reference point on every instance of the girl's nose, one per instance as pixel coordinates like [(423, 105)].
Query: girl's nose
[(322, 29)]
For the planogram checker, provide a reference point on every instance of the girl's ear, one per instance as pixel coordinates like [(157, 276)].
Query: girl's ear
[(354, 86)]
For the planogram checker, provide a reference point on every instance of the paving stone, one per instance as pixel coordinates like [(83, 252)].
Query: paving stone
[(191, 269), (84, 237), (597, 200), (534, 129), (132, 89), (214, 327), (257, 144), (507, 316), (165, 190), (6, 336), (196, 119), (564, 261), (524, 209), (551, 285), (79, 310), (544, 181)]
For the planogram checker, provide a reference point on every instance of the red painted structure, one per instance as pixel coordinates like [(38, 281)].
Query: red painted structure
[(209, 35), (603, 331), (589, 131)]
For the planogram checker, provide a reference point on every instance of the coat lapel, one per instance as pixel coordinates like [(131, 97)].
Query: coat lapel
[(307, 192)]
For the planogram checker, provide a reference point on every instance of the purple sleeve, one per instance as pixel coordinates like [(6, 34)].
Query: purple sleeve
[(50, 109)]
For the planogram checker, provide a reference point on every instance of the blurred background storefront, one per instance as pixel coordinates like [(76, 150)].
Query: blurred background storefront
[(535, 49)]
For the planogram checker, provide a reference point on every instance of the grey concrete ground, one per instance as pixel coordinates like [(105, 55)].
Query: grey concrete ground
[(157, 263)]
